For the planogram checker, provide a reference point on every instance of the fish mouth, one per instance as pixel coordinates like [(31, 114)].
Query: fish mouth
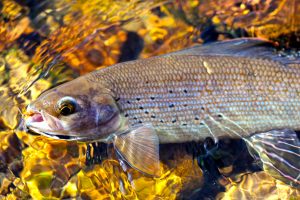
[(37, 126), (37, 132), (35, 122), (32, 115), (59, 136), (40, 123), (37, 117)]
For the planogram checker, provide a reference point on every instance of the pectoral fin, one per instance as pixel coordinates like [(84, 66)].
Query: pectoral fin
[(140, 149), (279, 151)]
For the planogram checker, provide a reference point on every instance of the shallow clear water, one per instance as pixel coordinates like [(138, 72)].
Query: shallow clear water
[(44, 43)]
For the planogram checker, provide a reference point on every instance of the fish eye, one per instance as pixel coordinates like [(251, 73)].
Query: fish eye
[(66, 106)]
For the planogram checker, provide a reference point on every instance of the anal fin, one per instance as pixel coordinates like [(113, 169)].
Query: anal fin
[(140, 149), (279, 151)]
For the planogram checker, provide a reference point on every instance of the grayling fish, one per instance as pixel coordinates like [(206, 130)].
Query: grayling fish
[(238, 88)]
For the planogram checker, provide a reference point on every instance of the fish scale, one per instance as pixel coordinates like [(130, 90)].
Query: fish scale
[(237, 88), (249, 95)]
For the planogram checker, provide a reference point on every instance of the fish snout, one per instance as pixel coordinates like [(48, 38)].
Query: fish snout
[(32, 115), (36, 117)]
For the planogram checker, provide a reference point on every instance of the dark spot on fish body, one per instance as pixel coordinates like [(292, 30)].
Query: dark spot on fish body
[(140, 121), (141, 107), (138, 99), (171, 105), (152, 98), (185, 91), (146, 112), (153, 116), (126, 115), (174, 121), (128, 102)]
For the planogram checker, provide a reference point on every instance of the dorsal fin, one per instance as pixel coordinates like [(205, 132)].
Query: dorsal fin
[(245, 47)]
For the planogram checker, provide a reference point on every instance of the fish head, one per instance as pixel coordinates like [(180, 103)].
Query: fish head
[(76, 110)]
